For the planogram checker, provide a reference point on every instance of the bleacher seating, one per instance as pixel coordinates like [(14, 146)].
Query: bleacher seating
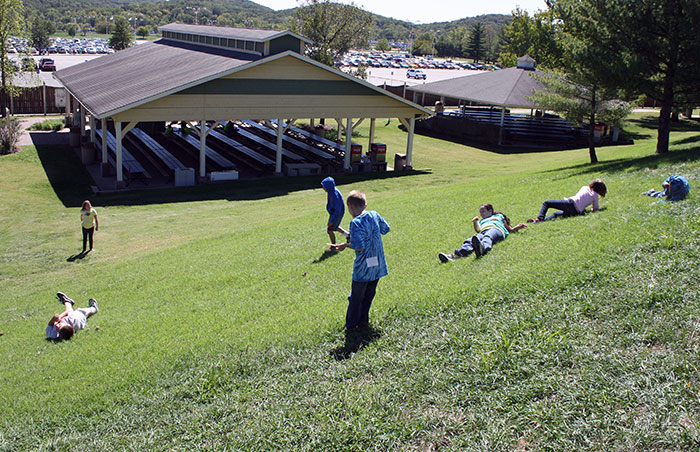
[(163, 154), (133, 168)]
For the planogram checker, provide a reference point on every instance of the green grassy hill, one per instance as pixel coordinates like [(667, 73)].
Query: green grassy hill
[(220, 323)]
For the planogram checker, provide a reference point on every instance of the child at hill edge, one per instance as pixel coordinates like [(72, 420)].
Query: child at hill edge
[(335, 208), (491, 229), (88, 218), (366, 230), (63, 326), (576, 205), (675, 189)]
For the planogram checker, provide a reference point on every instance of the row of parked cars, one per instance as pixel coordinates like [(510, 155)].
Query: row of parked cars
[(408, 61), (61, 45)]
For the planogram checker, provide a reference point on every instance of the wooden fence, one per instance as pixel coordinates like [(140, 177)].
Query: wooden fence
[(36, 101)]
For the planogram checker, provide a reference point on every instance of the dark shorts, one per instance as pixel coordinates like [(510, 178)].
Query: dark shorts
[(332, 227)]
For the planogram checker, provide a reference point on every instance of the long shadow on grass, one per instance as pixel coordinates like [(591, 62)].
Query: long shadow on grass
[(619, 165), (72, 182), (355, 341), (523, 149), (326, 254), (652, 123), (66, 173)]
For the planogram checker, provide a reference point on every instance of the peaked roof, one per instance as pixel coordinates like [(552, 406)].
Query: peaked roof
[(138, 75), (145, 71), (509, 87), (249, 34)]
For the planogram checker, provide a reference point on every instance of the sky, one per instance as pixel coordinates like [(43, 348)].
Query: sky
[(427, 11)]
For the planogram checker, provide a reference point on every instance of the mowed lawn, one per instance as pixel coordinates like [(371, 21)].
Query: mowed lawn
[(220, 323)]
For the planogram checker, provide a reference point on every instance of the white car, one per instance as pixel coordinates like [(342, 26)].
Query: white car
[(416, 74)]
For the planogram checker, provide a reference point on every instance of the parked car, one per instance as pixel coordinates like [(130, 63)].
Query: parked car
[(417, 74), (47, 65)]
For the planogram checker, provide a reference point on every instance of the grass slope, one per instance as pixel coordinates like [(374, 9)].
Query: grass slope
[(221, 316)]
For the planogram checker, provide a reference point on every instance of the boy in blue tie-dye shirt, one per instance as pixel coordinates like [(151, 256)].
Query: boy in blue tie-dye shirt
[(366, 230)]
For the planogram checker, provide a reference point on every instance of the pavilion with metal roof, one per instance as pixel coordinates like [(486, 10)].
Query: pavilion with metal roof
[(511, 87), (209, 74)]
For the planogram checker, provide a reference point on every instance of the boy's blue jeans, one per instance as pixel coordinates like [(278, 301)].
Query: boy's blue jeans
[(488, 238), (359, 302)]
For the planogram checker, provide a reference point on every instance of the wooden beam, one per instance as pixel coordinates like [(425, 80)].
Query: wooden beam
[(348, 142), (120, 170), (280, 134), (409, 142), (103, 126)]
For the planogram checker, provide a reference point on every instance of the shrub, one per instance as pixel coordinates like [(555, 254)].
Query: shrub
[(49, 124), (10, 132)]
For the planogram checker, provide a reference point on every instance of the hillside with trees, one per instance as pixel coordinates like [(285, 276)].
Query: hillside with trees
[(98, 16)]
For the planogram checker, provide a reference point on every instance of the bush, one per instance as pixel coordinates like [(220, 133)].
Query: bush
[(10, 132), (49, 124)]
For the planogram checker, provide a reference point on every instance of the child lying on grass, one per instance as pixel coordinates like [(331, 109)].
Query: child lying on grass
[(491, 229), (63, 326), (675, 189)]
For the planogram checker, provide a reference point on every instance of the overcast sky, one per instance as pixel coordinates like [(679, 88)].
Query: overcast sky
[(428, 11)]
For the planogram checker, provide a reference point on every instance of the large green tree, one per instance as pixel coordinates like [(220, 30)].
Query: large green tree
[(656, 41), (122, 37), (41, 30), (531, 35), (475, 43), (11, 24), (334, 28)]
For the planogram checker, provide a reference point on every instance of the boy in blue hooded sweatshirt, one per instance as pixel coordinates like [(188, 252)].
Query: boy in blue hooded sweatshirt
[(335, 208), (366, 230)]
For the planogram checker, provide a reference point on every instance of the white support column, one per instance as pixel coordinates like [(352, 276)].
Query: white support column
[(75, 112), (312, 122), (371, 132), (409, 143), (68, 97), (348, 142), (104, 139), (120, 170), (92, 130), (203, 148), (82, 121), (500, 129), (280, 134)]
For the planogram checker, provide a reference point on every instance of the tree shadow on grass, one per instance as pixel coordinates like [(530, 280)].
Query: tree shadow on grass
[(355, 341), (652, 123), (620, 165), (72, 184)]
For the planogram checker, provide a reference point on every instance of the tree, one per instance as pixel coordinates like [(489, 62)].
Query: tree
[(11, 24), (383, 45), (41, 30), (334, 28), (121, 36), (534, 36), (71, 30), (142, 32), (475, 43), (656, 41), (581, 101)]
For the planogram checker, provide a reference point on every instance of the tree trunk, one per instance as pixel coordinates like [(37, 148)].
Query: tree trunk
[(591, 129), (3, 90), (665, 116)]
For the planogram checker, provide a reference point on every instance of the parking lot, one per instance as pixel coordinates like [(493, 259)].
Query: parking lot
[(393, 76)]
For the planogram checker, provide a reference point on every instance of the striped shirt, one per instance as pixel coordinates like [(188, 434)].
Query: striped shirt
[(494, 221)]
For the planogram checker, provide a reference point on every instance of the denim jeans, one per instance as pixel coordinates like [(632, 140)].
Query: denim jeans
[(488, 238), (359, 302), (565, 208)]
